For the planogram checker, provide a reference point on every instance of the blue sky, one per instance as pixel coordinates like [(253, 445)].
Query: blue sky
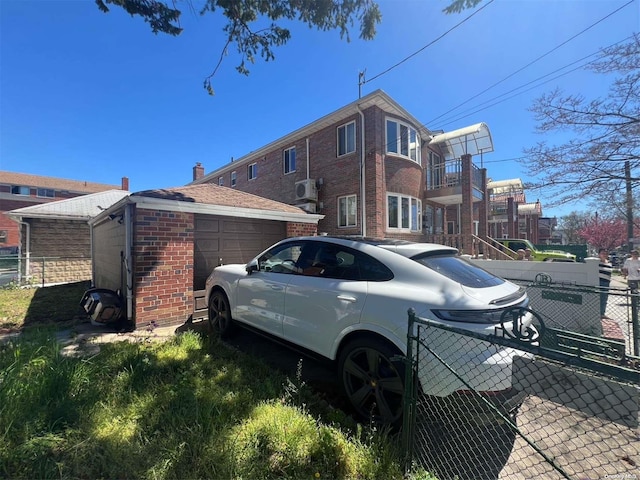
[(91, 96)]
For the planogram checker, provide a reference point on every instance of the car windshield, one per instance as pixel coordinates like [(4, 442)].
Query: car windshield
[(459, 270)]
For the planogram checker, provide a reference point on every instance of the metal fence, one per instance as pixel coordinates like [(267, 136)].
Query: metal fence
[(577, 308), (16, 270), (558, 407)]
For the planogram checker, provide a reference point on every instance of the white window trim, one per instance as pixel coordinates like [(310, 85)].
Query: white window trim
[(221, 181), (234, 179), (355, 199), (417, 228), (418, 159), (284, 161), (21, 187), (254, 170), (345, 126)]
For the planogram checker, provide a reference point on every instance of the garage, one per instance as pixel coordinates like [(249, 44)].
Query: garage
[(220, 240), (169, 240)]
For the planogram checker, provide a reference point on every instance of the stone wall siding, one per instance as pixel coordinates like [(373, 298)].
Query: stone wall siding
[(163, 267), (60, 251)]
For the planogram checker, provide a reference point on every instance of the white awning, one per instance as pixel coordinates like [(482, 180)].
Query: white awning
[(472, 140)]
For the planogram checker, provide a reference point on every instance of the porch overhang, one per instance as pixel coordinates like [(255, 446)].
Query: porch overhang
[(472, 140)]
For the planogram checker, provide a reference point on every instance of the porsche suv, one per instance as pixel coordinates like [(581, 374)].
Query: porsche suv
[(347, 299)]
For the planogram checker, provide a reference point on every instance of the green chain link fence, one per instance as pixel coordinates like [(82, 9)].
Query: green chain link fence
[(565, 412)]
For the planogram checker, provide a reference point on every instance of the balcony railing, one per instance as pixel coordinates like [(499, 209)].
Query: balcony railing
[(449, 174)]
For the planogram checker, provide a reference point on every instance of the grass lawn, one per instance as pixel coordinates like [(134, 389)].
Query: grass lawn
[(189, 407)]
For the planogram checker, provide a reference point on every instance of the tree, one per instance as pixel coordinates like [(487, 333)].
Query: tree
[(601, 162), (164, 17), (571, 225), (609, 233)]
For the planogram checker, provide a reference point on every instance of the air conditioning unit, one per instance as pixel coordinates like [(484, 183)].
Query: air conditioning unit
[(306, 190), (308, 207)]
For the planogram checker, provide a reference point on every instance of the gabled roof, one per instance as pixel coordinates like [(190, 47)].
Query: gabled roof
[(377, 98), (77, 186), (211, 199), (211, 194), (83, 207)]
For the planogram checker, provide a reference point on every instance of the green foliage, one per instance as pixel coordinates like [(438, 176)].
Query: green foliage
[(258, 41), (185, 408), (25, 307)]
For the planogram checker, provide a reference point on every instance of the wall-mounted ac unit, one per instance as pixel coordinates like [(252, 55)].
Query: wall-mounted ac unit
[(308, 207), (306, 190)]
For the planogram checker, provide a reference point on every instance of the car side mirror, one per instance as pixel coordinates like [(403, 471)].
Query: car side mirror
[(252, 266)]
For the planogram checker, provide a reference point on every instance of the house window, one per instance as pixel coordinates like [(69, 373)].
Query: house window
[(221, 181), (289, 160), (3, 236), (347, 138), (403, 140), (347, 207), (20, 190), (253, 171), (234, 179), (404, 213), (46, 192)]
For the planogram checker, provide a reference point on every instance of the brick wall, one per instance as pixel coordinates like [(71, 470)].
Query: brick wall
[(163, 267), (60, 251), (296, 229)]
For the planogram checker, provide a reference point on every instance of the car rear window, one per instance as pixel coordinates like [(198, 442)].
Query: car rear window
[(459, 270)]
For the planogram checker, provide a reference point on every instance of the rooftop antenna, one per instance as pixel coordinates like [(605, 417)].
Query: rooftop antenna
[(361, 81)]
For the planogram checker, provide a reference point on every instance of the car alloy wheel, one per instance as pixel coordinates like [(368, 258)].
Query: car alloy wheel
[(372, 382), (220, 314)]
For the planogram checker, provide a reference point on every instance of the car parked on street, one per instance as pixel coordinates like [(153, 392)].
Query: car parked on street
[(347, 300), (515, 244)]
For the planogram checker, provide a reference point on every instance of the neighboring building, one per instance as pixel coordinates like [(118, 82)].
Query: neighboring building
[(19, 190), (55, 240), (372, 169)]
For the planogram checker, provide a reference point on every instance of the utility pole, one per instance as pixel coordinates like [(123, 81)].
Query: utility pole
[(629, 203), (361, 82)]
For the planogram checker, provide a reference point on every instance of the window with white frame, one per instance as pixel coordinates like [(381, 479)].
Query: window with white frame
[(347, 208), (289, 160), (253, 171), (404, 212), (221, 181), (234, 179), (45, 192), (403, 140), (347, 138), (20, 190)]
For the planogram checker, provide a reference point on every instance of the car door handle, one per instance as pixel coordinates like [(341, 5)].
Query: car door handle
[(277, 288), (347, 298)]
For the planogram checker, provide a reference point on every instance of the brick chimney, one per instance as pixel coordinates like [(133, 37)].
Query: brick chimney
[(198, 171), (125, 184)]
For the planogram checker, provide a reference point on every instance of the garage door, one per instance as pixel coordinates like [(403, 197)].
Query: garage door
[(222, 240)]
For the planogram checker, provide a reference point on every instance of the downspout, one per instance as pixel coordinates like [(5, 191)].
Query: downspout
[(363, 207), (128, 246), (308, 175), (27, 256)]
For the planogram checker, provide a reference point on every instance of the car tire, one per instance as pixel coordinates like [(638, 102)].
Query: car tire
[(372, 380), (220, 320)]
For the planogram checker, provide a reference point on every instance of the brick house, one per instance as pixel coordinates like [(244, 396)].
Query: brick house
[(19, 190), (157, 247), (372, 169)]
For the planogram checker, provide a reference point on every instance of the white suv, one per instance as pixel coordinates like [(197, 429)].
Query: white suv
[(347, 299)]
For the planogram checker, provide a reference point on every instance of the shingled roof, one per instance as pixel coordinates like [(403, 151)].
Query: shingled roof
[(212, 194), (78, 186), (83, 207)]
